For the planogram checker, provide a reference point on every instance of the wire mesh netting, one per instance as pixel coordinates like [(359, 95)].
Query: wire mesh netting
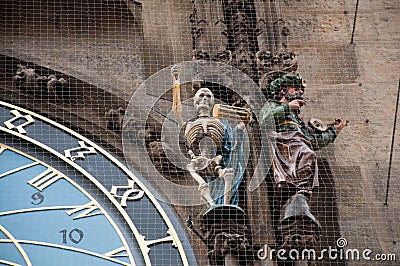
[(203, 132)]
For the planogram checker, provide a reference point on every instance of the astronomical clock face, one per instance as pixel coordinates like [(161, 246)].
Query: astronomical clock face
[(66, 201)]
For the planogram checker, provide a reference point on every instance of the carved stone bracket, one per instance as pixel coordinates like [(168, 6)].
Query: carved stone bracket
[(298, 228), (225, 232), (227, 244), (209, 31), (27, 79), (114, 118), (271, 66)]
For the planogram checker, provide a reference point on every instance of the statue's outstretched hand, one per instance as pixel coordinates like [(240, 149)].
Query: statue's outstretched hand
[(296, 104), (340, 124)]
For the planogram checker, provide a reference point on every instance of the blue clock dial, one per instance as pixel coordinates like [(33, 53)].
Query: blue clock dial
[(50, 214), (66, 201)]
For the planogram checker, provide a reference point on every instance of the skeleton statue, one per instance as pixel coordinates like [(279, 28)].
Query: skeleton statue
[(204, 138), (208, 142)]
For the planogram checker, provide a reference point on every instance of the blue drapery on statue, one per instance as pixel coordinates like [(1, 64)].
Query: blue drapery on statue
[(233, 155)]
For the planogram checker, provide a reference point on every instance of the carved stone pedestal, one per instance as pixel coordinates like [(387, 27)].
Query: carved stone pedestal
[(224, 227), (299, 229)]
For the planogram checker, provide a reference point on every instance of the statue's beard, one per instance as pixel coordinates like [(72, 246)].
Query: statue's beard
[(295, 96)]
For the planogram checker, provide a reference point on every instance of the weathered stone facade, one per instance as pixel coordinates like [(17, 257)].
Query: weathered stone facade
[(104, 50)]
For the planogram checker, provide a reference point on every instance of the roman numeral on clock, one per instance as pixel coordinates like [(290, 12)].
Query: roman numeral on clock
[(18, 116), (79, 152), (136, 193), (87, 210), (169, 238), (44, 179)]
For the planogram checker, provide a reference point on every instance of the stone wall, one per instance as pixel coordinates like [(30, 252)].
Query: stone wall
[(359, 82), (114, 45), (99, 42)]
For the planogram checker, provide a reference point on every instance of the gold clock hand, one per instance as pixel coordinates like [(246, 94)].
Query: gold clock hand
[(16, 244), (18, 169), (105, 256)]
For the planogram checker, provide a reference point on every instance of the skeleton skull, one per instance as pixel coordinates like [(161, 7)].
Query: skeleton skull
[(203, 102)]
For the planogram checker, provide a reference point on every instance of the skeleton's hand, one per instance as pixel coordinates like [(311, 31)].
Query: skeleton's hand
[(226, 173), (198, 163), (241, 126), (191, 167)]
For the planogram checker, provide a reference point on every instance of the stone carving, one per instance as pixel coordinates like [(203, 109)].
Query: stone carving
[(55, 85), (272, 31), (223, 57), (294, 162), (205, 142), (156, 151), (242, 31), (114, 118), (209, 31), (29, 80), (226, 245), (257, 43), (226, 234), (271, 66)]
